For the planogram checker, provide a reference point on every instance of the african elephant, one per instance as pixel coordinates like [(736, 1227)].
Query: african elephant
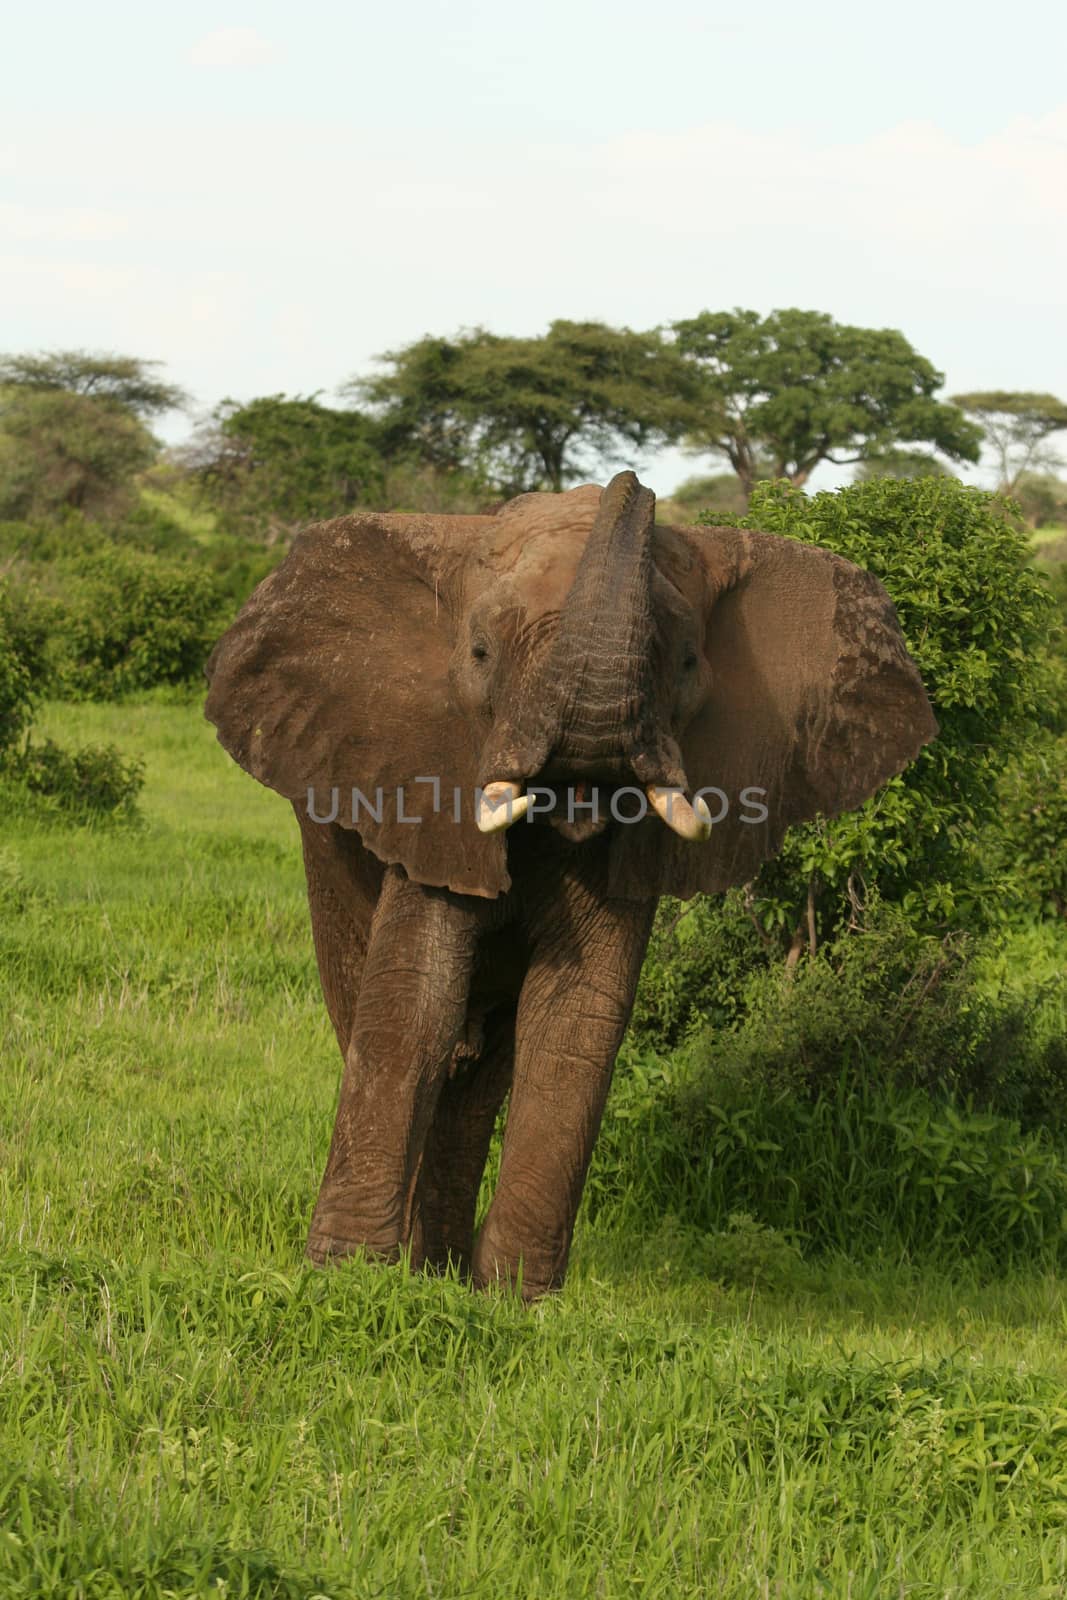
[(484, 724)]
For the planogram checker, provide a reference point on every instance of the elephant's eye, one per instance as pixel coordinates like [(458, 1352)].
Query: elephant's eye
[(480, 650), (690, 661)]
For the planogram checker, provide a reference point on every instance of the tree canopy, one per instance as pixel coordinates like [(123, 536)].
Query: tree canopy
[(976, 618), (65, 451), (128, 381), (1017, 426), (528, 412), (900, 463), (73, 430), (281, 460), (799, 388)]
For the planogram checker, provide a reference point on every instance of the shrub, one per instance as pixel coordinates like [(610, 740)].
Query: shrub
[(90, 781), (147, 526), (134, 621), (1034, 798), (975, 616), (700, 959), (280, 461), (865, 1169), (914, 1009), (1042, 498), (16, 681), (910, 1009)]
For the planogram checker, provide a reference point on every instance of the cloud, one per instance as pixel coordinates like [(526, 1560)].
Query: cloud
[(61, 225), (282, 254), (232, 47)]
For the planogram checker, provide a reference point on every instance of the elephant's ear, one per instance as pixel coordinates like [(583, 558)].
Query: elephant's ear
[(814, 701), (334, 677)]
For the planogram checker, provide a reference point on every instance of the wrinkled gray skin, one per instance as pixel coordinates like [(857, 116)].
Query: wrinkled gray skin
[(566, 641)]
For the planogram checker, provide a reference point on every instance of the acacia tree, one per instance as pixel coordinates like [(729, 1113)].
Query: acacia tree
[(127, 381), (526, 411), (62, 451), (1017, 426), (899, 463), (73, 430), (282, 460), (798, 388)]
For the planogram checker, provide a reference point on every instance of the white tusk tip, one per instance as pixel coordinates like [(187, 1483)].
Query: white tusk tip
[(501, 805)]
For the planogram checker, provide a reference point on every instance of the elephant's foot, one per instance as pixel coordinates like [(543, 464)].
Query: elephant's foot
[(532, 1272), (336, 1234), (324, 1248)]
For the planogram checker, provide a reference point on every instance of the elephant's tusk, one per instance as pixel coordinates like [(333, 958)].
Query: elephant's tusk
[(501, 805), (691, 822)]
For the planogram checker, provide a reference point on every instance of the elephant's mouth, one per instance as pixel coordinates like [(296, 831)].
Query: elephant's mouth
[(580, 808)]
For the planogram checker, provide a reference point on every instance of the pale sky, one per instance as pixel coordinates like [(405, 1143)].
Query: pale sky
[(266, 196)]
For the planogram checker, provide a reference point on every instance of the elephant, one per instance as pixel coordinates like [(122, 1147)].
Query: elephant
[(500, 735)]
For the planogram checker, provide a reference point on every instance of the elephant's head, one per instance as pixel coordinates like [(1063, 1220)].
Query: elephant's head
[(445, 668)]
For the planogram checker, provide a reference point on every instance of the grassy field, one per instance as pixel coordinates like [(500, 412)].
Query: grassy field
[(186, 1410)]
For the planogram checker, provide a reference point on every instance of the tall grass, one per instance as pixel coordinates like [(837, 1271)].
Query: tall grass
[(781, 1404)]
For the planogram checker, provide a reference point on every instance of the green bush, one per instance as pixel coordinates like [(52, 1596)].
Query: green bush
[(1042, 498), (915, 1009), (90, 781), (1034, 816), (864, 1169), (147, 527), (16, 680), (700, 959), (745, 1253), (912, 1009), (975, 616), (133, 621)]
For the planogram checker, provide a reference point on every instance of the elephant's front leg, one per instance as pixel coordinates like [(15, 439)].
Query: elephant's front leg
[(411, 1009), (456, 1148), (573, 1011)]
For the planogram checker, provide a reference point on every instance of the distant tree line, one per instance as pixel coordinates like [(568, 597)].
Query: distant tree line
[(454, 423)]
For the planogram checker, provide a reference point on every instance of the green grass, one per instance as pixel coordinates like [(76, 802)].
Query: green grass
[(186, 1410)]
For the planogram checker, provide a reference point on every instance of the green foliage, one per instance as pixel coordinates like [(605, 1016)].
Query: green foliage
[(521, 412), (279, 461), (721, 491), (831, 1388), (900, 464), (701, 957), (412, 486), (914, 1009), (1034, 815), (975, 616), (16, 678), (61, 451), (1042, 499), (125, 381), (799, 388), (132, 621), (864, 1168), (745, 1254), (87, 783)]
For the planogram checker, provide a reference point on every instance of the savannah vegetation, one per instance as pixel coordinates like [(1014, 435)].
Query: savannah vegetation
[(812, 1341)]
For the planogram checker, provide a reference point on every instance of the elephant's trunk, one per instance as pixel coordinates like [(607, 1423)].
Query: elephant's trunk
[(601, 664)]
